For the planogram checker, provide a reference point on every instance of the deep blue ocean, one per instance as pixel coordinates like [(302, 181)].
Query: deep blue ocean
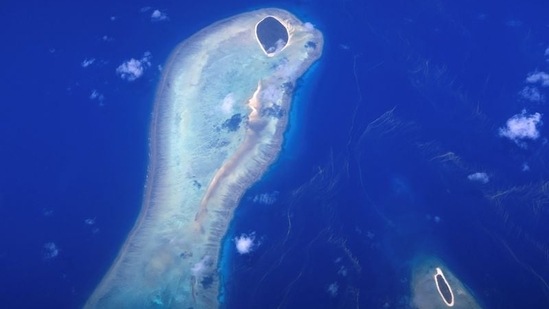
[(421, 132)]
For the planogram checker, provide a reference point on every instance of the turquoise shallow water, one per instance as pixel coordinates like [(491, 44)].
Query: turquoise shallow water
[(406, 104)]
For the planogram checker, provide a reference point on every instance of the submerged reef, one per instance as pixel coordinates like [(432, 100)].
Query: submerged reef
[(218, 123)]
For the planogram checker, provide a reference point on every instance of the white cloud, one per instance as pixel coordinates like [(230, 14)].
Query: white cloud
[(344, 46), (96, 95), (333, 289), (87, 62), (525, 167), (228, 103), (158, 16), (532, 94), (342, 271), (522, 126), (49, 251), (199, 268), (266, 198), (245, 243), (47, 212), (479, 177), (514, 23), (547, 52), (538, 77), (133, 69)]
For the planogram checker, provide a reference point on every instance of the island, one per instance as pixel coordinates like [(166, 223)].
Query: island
[(444, 289), (435, 286), (219, 116)]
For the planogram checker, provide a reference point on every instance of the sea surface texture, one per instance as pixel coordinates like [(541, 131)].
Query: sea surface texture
[(412, 169)]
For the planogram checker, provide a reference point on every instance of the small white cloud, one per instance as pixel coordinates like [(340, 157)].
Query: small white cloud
[(113, 18), (514, 23), (342, 271), (91, 222), (479, 177), (333, 289), (245, 243), (531, 93), (130, 70), (308, 26), (87, 62), (541, 78), (525, 167), (266, 198), (47, 212), (522, 126), (96, 95), (49, 251), (344, 46), (107, 38), (199, 268), (158, 16), (279, 45), (133, 69), (435, 219), (547, 52), (227, 104)]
